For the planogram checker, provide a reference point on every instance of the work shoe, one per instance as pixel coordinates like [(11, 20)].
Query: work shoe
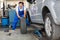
[(11, 32)]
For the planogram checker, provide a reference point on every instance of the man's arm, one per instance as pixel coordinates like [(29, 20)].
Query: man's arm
[(17, 12), (24, 13)]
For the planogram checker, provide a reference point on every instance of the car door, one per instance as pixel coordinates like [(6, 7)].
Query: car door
[(36, 15)]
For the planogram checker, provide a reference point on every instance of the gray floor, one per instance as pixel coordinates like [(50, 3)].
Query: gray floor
[(16, 36)]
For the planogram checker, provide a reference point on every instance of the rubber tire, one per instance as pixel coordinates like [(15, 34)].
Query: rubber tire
[(24, 29), (28, 16), (23, 26), (55, 34)]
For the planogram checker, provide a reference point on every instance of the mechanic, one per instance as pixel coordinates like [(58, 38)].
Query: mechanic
[(20, 13)]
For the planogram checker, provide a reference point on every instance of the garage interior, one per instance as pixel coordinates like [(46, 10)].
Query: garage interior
[(17, 35), (34, 31)]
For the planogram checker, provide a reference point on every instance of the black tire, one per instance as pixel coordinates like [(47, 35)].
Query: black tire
[(23, 26), (55, 32), (28, 16)]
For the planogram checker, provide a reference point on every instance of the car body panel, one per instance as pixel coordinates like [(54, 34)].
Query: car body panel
[(52, 5)]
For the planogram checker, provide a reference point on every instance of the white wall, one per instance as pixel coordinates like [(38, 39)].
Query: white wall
[(16, 2), (12, 2), (26, 4), (1, 5)]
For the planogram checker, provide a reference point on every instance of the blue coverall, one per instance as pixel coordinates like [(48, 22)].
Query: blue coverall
[(21, 14)]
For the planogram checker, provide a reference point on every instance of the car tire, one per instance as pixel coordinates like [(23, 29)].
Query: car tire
[(23, 26), (28, 16), (51, 29)]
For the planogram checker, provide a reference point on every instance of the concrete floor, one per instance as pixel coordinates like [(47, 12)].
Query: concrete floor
[(16, 36)]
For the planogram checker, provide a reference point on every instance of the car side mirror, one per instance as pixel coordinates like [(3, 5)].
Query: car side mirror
[(30, 1)]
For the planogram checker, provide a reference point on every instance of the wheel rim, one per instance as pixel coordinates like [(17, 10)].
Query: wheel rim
[(48, 27)]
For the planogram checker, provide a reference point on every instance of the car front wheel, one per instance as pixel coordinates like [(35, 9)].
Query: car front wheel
[(51, 29)]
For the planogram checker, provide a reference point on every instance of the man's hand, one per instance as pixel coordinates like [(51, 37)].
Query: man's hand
[(24, 13), (24, 16), (19, 17)]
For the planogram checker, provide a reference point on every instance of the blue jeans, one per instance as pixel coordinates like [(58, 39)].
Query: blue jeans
[(16, 21)]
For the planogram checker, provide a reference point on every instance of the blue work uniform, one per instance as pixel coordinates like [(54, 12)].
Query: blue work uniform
[(21, 14)]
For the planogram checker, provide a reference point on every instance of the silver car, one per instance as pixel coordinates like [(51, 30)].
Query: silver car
[(46, 12)]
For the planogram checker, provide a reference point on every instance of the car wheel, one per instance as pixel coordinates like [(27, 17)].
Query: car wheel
[(23, 26), (51, 29)]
